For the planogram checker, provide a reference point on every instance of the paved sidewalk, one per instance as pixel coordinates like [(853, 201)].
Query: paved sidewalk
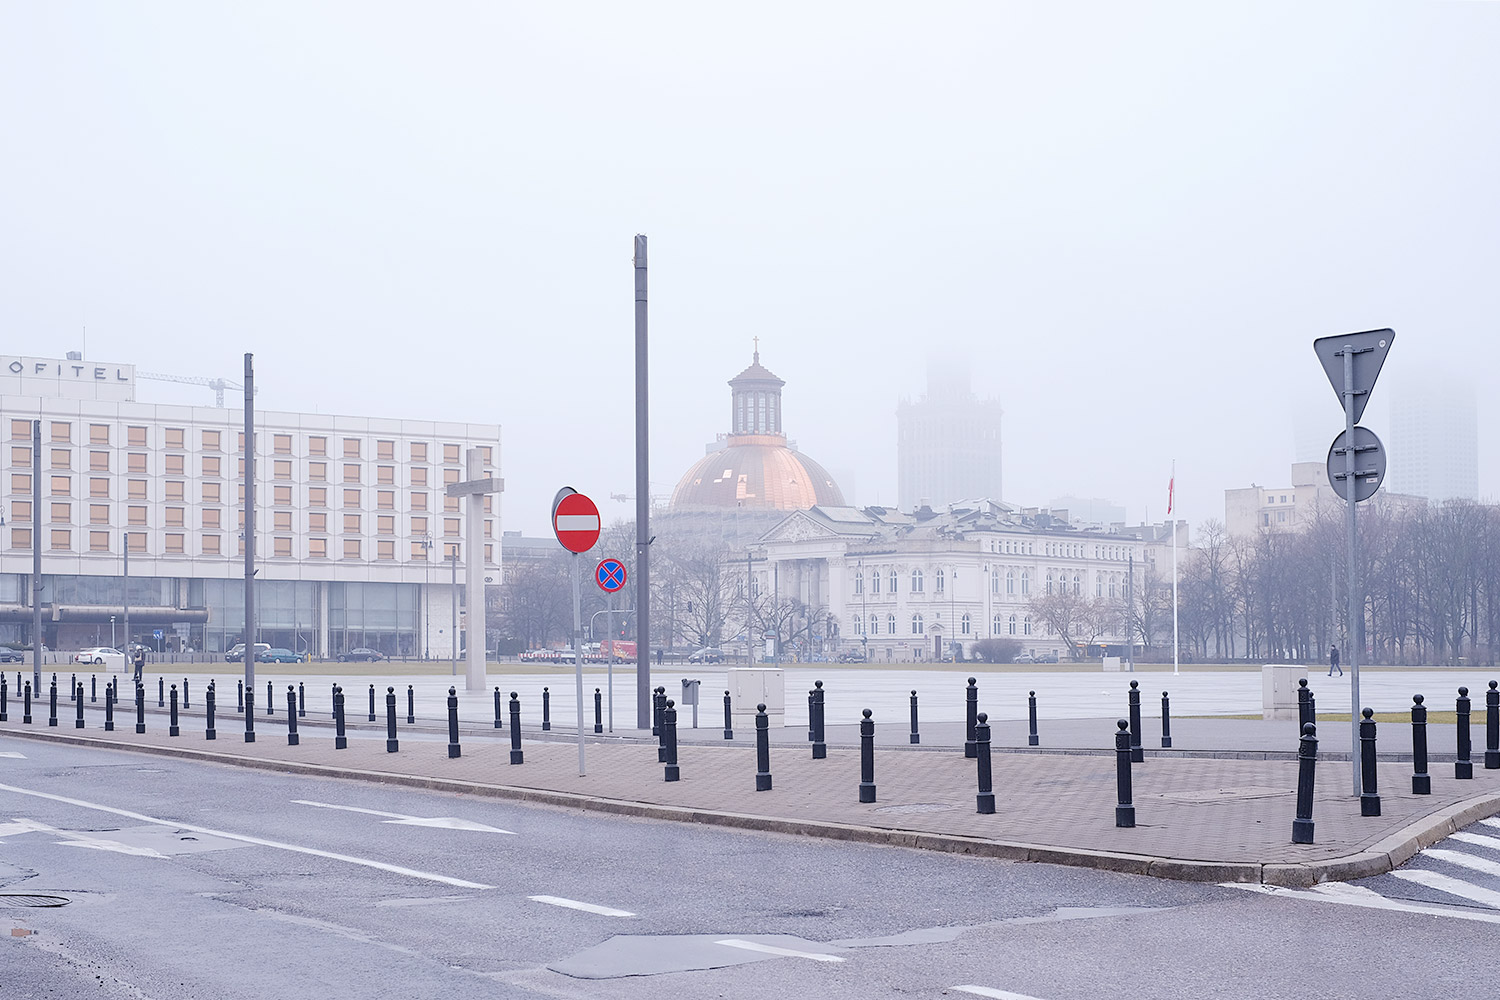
[(1201, 817)]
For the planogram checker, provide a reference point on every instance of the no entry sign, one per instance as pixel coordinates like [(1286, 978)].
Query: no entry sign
[(575, 521), (610, 575)]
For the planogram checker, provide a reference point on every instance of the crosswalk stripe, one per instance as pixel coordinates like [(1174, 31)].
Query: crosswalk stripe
[(1464, 860), (1491, 822), (1360, 896), (1478, 840), (985, 991), (1452, 886)]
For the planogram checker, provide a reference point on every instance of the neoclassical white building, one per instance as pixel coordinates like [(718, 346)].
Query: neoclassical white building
[(904, 585)]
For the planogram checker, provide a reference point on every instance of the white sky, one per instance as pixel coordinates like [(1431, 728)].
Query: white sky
[(1130, 220)]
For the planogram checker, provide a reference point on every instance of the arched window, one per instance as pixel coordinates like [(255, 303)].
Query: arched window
[(859, 583), (1010, 581), (996, 627), (1011, 625), (890, 624), (1111, 585), (964, 627), (893, 581), (1025, 582), (1077, 585), (995, 582), (1098, 584), (859, 625), (916, 581), (875, 582), (940, 582), (916, 624), (1027, 626), (874, 624), (1049, 584)]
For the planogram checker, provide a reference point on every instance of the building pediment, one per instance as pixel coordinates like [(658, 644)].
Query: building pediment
[(798, 527)]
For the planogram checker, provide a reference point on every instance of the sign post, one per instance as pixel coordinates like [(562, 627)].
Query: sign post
[(575, 522), (610, 576)]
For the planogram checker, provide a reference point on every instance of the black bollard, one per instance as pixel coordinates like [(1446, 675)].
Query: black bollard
[(1304, 702), (497, 709), (669, 739), (1369, 799), (301, 701), (161, 692), (1463, 767), (250, 715), (270, 699), (916, 737), (109, 707), (372, 703), (985, 800), (72, 687), (340, 740), (184, 694), (1312, 707), (546, 710), (728, 719), (1137, 753), (1307, 763), (333, 694), (1492, 727), (411, 706), (1421, 781), (52, 701), (1125, 808), (762, 749), (971, 707), (867, 757), (140, 708), (26, 716), (598, 711), (810, 712), (819, 747), (209, 696), (515, 730), (93, 688), (5, 699), (659, 698), (78, 722), (239, 697), (1032, 739), (172, 728), (1166, 720), (292, 739), (392, 745), (453, 748), (656, 707)]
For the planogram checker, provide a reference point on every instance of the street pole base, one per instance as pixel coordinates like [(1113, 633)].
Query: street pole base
[(140, 729), (1137, 755), (77, 723), (546, 727), (293, 739), (454, 751), (916, 738), (729, 734), (51, 722), (661, 755), (1033, 740), (1421, 784), (341, 743), (109, 727), (762, 782), (867, 791), (210, 734), (1463, 769), (497, 724), (1166, 742), (672, 773), (971, 749), (986, 803), (517, 757), (598, 729), (1491, 760), (820, 751), (1302, 831), (371, 718), (1125, 816), (392, 746), (249, 737), (174, 731), (1369, 804)]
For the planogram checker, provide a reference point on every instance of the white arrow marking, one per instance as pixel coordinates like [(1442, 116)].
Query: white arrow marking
[(985, 991), (770, 949), (573, 904), (1452, 886), (439, 822)]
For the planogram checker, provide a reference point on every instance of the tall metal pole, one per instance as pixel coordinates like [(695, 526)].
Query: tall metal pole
[(1354, 642), (36, 555), (1130, 604), (642, 500), (454, 601), (578, 659), (249, 523), (126, 536)]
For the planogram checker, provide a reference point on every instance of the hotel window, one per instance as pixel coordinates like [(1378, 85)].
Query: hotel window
[(351, 524), (20, 430), (318, 522), (239, 547), (173, 438), (175, 517), (317, 548), (281, 444), (20, 483), (283, 547), (98, 461), (452, 551), (62, 486), (317, 445), (239, 449), (20, 510), (418, 476), (62, 538), (176, 542), (418, 448), (489, 554), (489, 503), (385, 550), (450, 504), (135, 515), (351, 472), (485, 453), (135, 541), (418, 552), (351, 498), (62, 431), (20, 538), (351, 447), (62, 513), (385, 499), (62, 458), (385, 524), (281, 496), (211, 441), (317, 496), (281, 520), (135, 462), (172, 465), (98, 541), (418, 501), (210, 545), (20, 456), (211, 466), (451, 526), (174, 490), (450, 454), (385, 474), (211, 517), (317, 471), (211, 493), (280, 469), (385, 451), (419, 526), (239, 468), (135, 437), (351, 548)]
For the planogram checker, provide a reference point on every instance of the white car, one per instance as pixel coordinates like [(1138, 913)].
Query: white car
[(106, 656)]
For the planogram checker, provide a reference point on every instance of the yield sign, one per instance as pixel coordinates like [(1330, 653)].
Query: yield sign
[(1368, 349), (610, 575), (575, 521)]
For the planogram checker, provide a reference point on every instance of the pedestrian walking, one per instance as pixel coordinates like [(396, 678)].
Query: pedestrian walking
[(1333, 661), (140, 663)]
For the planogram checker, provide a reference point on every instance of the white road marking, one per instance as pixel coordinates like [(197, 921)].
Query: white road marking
[(1464, 860), (985, 991), (1452, 886), (247, 839), (1491, 822), (1355, 895), (104, 844), (13, 754), (573, 904), (22, 826), (1478, 840), (439, 822), (770, 949)]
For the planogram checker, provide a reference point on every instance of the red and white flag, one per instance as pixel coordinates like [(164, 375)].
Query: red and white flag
[(1171, 484)]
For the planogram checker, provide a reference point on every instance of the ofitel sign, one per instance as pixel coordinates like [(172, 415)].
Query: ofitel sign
[(575, 521)]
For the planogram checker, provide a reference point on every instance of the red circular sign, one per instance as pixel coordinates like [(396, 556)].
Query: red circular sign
[(576, 522)]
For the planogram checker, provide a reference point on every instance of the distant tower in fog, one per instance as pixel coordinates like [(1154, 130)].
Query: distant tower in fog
[(1433, 449), (947, 442)]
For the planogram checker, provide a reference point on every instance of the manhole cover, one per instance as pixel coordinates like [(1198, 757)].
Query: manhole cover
[(30, 899), (916, 807)]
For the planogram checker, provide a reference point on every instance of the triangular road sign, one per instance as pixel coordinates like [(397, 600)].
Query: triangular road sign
[(1369, 349)]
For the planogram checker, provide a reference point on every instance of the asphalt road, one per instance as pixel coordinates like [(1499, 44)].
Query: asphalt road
[(187, 880)]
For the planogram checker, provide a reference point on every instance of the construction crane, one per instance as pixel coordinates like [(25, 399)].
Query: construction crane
[(218, 385)]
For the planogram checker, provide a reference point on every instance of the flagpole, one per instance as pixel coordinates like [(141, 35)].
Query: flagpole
[(1172, 526)]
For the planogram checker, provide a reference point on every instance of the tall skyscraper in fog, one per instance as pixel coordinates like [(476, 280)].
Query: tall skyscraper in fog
[(947, 442), (1434, 439)]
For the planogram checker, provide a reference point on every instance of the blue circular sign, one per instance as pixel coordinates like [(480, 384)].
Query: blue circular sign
[(610, 575)]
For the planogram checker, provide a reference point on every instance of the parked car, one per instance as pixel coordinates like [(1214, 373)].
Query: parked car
[(708, 654), (277, 654), (361, 654), (236, 652), (1025, 658), (852, 656), (1046, 658), (101, 655), (9, 654)]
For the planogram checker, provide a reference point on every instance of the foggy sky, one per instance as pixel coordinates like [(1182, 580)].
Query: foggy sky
[(1130, 221)]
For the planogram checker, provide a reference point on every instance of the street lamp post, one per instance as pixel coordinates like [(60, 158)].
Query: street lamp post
[(952, 614), (454, 638), (426, 544), (112, 632)]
